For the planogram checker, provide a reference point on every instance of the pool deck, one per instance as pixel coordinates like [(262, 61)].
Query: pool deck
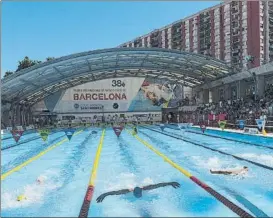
[(237, 131)]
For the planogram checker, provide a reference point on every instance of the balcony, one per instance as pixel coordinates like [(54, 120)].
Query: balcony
[(177, 34), (235, 51)]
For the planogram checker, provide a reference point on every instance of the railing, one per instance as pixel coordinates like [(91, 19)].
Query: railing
[(212, 120)]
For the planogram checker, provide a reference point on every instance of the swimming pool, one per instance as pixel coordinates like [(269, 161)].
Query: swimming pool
[(125, 162)]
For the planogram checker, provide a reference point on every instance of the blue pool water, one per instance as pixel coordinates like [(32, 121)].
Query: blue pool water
[(125, 163)]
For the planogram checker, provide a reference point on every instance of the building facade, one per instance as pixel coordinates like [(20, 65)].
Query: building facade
[(230, 31)]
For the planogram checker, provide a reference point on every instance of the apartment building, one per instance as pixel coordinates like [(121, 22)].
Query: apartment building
[(230, 31)]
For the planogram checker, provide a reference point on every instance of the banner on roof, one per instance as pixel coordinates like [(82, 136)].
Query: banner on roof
[(44, 133), (117, 130), (222, 124), (260, 123), (241, 124), (69, 133), (203, 127), (129, 94), (17, 134)]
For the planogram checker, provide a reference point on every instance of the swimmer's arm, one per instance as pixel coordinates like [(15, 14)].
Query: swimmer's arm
[(150, 187), (120, 192)]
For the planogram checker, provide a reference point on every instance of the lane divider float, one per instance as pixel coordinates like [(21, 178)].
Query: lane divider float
[(251, 207), (91, 185), (213, 149), (17, 168), (236, 209)]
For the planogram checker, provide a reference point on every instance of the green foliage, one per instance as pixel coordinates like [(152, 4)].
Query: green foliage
[(8, 73), (26, 63), (50, 58)]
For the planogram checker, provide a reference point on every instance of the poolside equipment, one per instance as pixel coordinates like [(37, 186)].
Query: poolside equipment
[(241, 124)]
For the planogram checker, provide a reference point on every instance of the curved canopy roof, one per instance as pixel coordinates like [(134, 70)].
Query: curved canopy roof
[(34, 83)]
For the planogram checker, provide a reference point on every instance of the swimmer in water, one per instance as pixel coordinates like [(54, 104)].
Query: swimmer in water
[(94, 132), (40, 181), (137, 191), (244, 170)]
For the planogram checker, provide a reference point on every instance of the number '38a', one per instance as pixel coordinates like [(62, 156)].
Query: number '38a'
[(118, 83)]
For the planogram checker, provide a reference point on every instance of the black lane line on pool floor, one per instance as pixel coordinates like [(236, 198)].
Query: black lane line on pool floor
[(131, 164), (67, 171), (220, 137), (212, 149), (127, 155)]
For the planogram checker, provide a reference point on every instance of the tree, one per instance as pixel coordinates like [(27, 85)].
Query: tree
[(26, 63), (50, 58), (8, 73)]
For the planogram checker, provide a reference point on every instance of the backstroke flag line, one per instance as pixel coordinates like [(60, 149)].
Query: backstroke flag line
[(69, 133), (222, 124), (117, 130), (44, 134), (162, 127), (17, 134)]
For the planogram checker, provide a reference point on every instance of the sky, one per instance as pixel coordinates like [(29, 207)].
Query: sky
[(54, 29)]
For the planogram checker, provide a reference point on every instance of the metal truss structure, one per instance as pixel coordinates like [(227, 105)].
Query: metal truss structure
[(31, 85)]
